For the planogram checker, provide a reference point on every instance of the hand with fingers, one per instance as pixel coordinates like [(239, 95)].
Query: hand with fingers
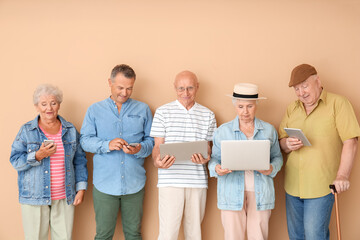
[(79, 197), (165, 162), (129, 149), (220, 171), (199, 159), (293, 143), (266, 172), (117, 144), (341, 184), (45, 151)]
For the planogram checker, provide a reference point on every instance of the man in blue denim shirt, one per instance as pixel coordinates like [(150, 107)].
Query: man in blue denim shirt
[(117, 130)]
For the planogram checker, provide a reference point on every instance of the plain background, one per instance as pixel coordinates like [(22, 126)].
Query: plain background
[(75, 44)]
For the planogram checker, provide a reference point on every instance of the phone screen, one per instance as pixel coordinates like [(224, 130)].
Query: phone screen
[(47, 142)]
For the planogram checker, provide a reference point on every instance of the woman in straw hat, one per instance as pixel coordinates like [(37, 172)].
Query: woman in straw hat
[(245, 198)]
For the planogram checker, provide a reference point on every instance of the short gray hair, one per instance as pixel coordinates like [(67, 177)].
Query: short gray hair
[(124, 69), (47, 89)]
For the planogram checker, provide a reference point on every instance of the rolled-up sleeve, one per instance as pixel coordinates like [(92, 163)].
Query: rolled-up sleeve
[(80, 166), (21, 159), (276, 159)]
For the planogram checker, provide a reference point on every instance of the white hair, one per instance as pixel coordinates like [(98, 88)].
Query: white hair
[(47, 89)]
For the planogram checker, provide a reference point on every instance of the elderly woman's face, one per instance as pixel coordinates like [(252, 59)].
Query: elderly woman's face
[(245, 109), (48, 107)]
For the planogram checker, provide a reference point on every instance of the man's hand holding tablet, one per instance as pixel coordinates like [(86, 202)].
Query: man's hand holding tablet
[(299, 135), (166, 162)]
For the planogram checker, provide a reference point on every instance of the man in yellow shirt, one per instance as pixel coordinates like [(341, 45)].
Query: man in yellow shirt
[(329, 122)]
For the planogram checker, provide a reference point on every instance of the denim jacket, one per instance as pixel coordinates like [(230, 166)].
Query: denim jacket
[(34, 176), (230, 187)]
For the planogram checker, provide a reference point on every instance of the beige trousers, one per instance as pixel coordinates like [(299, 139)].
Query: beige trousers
[(248, 220), (176, 203), (37, 220)]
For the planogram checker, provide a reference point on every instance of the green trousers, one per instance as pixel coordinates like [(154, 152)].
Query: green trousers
[(106, 210)]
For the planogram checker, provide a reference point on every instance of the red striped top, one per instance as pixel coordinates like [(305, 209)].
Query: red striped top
[(57, 167)]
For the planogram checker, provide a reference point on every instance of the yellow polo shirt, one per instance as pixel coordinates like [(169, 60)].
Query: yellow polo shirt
[(310, 170)]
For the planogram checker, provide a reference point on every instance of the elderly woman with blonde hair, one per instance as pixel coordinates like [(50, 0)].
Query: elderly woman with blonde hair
[(52, 171), (245, 198)]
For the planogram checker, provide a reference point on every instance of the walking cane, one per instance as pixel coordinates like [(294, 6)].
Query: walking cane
[(331, 186)]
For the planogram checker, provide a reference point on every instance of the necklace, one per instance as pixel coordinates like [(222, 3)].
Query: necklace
[(248, 131)]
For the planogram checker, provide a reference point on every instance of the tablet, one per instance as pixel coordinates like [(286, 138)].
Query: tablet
[(245, 154), (297, 133), (184, 150)]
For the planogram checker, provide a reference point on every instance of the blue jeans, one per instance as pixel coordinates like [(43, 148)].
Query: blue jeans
[(309, 218)]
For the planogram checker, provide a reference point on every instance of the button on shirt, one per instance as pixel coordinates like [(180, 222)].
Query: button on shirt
[(116, 172), (310, 170), (175, 123), (231, 187)]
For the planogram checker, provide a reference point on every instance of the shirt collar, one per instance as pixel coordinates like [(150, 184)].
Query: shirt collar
[(182, 106), (323, 97), (113, 103), (257, 123), (35, 123)]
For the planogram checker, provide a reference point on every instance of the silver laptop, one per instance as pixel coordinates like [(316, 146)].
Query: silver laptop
[(184, 150), (245, 154)]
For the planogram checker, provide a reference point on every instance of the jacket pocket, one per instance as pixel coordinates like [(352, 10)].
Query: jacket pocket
[(229, 189), (27, 183), (267, 191), (69, 150), (24, 184)]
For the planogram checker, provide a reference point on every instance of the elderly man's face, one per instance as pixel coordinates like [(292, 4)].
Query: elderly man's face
[(121, 88), (186, 87), (245, 109), (308, 91), (48, 107)]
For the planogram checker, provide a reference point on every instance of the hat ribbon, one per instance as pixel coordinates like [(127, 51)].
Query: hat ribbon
[(245, 96)]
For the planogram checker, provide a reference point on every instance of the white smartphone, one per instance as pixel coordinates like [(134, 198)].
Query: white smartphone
[(47, 142)]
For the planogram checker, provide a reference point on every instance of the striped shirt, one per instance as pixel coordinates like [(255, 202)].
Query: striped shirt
[(57, 167), (175, 123)]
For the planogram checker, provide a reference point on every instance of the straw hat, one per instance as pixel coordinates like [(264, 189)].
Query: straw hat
[(246, 91)]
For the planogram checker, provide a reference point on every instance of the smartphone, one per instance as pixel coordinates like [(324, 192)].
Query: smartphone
[(47, 142), (133, 144)]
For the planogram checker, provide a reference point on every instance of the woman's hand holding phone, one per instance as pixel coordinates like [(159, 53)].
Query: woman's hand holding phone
[(47, 148)]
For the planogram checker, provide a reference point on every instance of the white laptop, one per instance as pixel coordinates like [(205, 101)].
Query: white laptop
[(184, 150), (245, 154)]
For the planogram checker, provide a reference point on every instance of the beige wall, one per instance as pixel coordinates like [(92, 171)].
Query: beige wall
[(75, 44)]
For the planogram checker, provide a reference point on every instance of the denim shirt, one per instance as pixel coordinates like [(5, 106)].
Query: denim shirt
[(230, 187), (115, 172), (34, 176)]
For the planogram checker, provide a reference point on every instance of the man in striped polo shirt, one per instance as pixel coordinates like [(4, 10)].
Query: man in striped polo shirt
[(182, 186)]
